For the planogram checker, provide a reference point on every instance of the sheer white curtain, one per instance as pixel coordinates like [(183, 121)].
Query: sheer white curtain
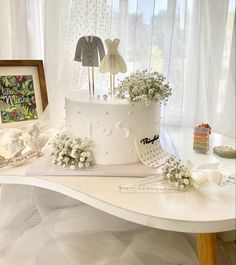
[(191, 42), (209, 77), (21, 29)]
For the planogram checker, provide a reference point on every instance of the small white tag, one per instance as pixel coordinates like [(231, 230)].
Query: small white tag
[(150, 152)]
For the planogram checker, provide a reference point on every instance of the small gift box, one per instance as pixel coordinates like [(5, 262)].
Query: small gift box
[(201, 138)]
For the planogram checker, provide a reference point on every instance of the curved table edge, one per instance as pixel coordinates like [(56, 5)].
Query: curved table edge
[(125, 214)]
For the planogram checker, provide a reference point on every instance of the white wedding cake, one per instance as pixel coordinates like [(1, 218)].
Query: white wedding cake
[(111, 124)]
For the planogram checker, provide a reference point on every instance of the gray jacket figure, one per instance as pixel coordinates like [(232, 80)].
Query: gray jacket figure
[(87, 50)]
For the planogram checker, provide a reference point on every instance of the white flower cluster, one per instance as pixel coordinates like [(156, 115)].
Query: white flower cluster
[(177, 174), (144, 86), (72, 152)]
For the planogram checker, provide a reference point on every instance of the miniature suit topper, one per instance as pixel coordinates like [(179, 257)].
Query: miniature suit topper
[(89, 50)]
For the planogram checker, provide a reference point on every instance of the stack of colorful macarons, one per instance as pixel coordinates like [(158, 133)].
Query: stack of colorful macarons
[(201, 138)]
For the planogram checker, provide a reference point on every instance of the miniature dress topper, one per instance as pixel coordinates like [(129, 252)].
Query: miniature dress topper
[(113, 62)]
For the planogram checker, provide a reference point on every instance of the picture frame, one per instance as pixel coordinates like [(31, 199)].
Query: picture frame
[(23, 92)]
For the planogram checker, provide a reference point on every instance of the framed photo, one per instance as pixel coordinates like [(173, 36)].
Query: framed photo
[(23, 93)]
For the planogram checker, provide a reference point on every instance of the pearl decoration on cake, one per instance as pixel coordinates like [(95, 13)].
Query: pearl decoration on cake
[(105, 97), (107, 131)]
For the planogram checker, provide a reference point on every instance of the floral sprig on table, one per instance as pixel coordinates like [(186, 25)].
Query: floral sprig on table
[(72, 152), (144, 86), (177, 174)]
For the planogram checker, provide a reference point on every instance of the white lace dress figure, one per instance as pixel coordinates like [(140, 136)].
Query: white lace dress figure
[(113, 61)]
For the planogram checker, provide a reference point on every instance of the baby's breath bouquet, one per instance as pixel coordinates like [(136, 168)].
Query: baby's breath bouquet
[(144, 86), (71, 152), (177, 174)]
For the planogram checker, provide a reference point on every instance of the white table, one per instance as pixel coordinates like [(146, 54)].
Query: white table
[(204, 212)]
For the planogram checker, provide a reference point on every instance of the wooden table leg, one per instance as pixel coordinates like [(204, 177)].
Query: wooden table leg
[(206, 246)]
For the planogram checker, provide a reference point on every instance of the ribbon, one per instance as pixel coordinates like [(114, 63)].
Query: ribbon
[(18, 160), (204, 174), (203, 177)]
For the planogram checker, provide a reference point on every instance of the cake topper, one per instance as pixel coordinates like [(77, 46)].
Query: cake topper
[(89, 50), (113, 62)]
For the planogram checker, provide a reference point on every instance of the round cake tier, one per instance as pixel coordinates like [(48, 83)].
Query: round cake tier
[(113, 126)]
